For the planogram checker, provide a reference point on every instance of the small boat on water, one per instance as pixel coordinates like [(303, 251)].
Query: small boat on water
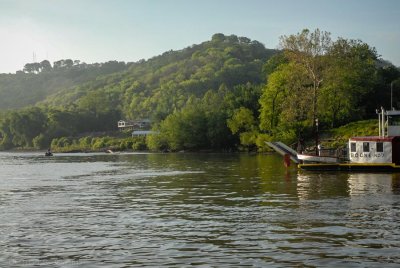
[(370, 153), (48, 153)]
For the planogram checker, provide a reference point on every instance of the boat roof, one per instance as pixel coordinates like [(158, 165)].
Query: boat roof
[(393, 112), (375, 138)]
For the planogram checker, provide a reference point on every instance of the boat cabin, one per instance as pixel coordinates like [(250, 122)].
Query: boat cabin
[(374, 150), (384, 148)]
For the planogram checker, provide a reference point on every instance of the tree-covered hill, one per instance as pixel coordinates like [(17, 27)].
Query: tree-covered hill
[(39, 80), (72, 99), (160, 85), (222, 94)]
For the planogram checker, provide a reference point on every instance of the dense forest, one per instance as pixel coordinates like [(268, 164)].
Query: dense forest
[(224, 94)]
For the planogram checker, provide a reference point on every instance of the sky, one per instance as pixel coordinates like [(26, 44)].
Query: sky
[(130, 30)]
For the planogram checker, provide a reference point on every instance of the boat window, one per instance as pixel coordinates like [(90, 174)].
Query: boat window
[(365, 147), (394, 121), (379, 147), (353, 147)]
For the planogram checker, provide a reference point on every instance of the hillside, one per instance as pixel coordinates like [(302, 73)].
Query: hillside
[(224, 94), (156, 87), (151, 88), (70, 98), (39, 80)]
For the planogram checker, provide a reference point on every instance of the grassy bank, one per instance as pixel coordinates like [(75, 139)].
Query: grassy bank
[(338, 137), (96, 144)]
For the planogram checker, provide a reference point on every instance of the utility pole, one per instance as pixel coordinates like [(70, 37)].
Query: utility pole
[(316, 138), (391, 95), (379, 122)]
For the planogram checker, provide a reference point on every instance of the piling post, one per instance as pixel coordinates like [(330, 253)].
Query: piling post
[(286, 160)]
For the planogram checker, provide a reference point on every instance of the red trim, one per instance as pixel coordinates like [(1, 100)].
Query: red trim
[(373, 138)]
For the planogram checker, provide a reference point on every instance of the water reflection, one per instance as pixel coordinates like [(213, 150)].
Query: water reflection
[(314, 185), (221, 210), (372, 183)]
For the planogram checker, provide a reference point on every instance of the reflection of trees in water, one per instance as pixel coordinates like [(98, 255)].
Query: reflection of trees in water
[(396, 183), (221, 179), (312, 185)]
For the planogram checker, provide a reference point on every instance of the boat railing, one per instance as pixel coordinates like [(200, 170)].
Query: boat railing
[(328, 152), (340, 153)]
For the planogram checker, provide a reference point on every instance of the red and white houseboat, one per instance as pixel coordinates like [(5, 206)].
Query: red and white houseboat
[(375, 153), (371, 153)]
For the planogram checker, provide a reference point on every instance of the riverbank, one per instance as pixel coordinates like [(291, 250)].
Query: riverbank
[(337, 137), (331, 138)]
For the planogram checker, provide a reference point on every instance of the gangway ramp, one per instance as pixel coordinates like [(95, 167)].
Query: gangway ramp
[(283, 149)]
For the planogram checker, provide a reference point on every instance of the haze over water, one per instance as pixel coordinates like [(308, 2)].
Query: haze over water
[(219, 210)]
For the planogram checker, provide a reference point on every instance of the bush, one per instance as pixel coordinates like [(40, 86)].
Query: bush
[(85, 142), (126, 144), (156, 142), (139, 144), (99, 143), (40, 142)]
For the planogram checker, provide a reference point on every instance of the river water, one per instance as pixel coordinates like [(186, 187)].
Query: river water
[(205, 210)]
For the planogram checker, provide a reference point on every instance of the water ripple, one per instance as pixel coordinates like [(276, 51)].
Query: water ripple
[(173, 210)]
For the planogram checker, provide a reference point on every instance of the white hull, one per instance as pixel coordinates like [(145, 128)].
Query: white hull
[(318, 159)]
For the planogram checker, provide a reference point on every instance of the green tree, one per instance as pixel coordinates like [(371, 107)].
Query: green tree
[(244, 124), (349, 80), (316, 78), (26, 125), (307, 49), (45, 66), (285, 101), (185, 129), (5, 132), (32, 67), (242, 121), (216, 113)]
